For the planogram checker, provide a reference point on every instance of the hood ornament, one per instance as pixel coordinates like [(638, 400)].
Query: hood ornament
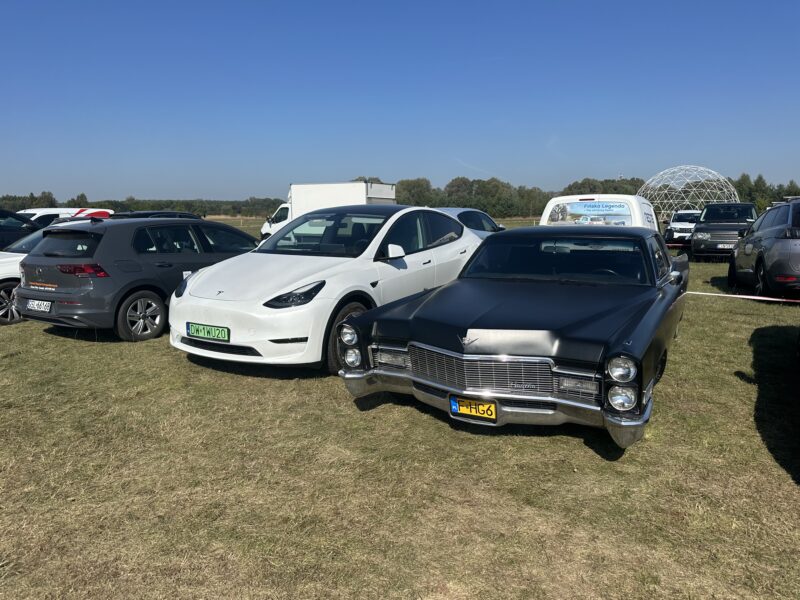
[(465, 341)]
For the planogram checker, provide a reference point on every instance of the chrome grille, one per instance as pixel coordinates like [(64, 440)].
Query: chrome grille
[(724, 236), (524, 377)]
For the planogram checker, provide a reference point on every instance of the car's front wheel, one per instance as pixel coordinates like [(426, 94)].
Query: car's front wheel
[(142, 316), (8, 314), (332, 359), (762, 284)]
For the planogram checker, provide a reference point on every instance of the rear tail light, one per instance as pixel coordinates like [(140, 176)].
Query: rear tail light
[(83, 270), (785, 278)]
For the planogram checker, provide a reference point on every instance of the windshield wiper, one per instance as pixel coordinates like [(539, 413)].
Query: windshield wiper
[(577, 281)]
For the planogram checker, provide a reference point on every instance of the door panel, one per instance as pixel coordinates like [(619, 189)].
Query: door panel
[(416, 271)]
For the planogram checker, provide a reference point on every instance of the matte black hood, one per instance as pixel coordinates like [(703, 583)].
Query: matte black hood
[(569, 321)]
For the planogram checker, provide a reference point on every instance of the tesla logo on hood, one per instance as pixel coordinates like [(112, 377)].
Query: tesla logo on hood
[(465, 341)]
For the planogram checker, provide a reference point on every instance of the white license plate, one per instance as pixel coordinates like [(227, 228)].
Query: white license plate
[(39, 305), (725, 246)]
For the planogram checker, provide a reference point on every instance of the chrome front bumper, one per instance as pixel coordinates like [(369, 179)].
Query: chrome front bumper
[(623, 430)]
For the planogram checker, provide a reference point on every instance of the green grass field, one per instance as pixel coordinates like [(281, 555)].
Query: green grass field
[(132, 470)]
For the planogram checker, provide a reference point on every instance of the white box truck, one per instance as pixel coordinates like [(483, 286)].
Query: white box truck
[(305, 197)]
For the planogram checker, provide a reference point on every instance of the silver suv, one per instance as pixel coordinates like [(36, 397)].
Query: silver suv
[(767, 255)]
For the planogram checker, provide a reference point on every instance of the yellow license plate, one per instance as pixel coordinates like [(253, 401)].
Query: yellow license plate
[(483, 410)]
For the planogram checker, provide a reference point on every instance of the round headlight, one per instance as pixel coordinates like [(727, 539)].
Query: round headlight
[(352, 357), (348, 335), (622, 398), (622, 369)]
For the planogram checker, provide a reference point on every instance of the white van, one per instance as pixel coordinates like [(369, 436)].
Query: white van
[(600, 209), (45, 216)]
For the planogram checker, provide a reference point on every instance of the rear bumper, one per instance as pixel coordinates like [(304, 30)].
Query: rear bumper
[(523, 410), (81, 311)]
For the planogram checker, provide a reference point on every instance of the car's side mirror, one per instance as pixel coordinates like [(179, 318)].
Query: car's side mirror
[(501, 227), (676, 277), (395, 251)]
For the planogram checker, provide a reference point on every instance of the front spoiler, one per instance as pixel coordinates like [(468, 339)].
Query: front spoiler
[(625, 431)]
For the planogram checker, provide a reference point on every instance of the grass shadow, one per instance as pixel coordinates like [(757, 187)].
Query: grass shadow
[(721, 283), (777, 409), (100, 336), (597, 440), (283, 372)]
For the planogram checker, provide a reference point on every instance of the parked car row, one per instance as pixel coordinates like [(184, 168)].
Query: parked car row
[(542, 325)]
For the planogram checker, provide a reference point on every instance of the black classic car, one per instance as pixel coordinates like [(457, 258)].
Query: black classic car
[(544, 325)]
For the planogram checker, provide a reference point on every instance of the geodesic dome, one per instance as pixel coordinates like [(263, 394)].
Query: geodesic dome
[(686, 187)]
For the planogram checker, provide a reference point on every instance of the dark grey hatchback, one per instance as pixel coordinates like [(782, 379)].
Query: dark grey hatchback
[(119, 274)]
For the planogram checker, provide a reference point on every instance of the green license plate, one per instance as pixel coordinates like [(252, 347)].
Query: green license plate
[(208, 332)]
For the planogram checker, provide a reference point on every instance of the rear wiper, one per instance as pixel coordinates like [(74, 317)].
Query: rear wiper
[(54, 254)]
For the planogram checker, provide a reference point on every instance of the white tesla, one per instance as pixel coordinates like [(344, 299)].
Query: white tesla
[(279, 303)]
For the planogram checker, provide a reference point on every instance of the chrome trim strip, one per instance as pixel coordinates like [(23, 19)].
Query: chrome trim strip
[(490, 357)]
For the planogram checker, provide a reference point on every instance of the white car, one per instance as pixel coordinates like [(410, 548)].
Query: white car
[(478, 221), (279, 303), (45, 216), (9, 274), (681, 225)]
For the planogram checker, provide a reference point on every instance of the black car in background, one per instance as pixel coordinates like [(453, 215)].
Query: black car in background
[(717, 229), (544, 325), (14, 227), (119, 274)]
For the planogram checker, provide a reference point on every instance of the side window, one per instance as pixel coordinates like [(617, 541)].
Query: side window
[(660, 258), (477, 221), (281, 214), (757, 225), (407, 233), (442, 229), (227, 241), (173, 239), (769, 220), (143, 243), (45, 220), (795, 214), (781, 216), (11, 222)]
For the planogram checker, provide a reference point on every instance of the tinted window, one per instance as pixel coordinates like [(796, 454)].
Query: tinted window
[(26, 244), (736, 213), (564, 259), (795, 214), (442, 229), (143, 243), (12, 222), (325, 234), (477, 220), (660, 258), (769, 219), (67, 244), (281, 214), (175, 239), (225, 240), (781, 216), (45, 220), (27, 215), (757, 225), (407, 232)]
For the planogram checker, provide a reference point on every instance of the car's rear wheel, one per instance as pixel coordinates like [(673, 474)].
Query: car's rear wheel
[(761, 283), (332, 360), (142, 316), (8, 314)]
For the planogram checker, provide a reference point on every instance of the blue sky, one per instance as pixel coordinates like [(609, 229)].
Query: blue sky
[(235, 99)]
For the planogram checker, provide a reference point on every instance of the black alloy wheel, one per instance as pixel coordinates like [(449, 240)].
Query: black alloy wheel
[(8, 313), (761, 284), (332, 359)]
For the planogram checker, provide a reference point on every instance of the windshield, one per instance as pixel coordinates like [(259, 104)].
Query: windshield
[(580, 260), (26, 244), (685, 217), (720, 213), (325, 234), (27, 215)]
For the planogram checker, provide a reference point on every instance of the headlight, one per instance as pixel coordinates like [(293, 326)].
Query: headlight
[(621, 369), (181, 289), (352, 357), (297, 297), (622, 398), (702, 235), (348, 335)]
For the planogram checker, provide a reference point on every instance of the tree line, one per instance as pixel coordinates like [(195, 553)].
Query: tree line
[(498, 198)]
